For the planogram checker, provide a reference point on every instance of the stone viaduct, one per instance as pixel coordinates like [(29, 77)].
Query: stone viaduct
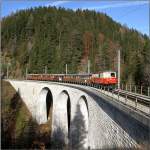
[(106, 125)]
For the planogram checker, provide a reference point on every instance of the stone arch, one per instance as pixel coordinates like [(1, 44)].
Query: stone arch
[(80, 123), (45, 105), (62, 116)]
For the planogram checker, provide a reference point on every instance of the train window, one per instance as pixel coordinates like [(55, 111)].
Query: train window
[(101, 75), (95, 75), (112, 74)]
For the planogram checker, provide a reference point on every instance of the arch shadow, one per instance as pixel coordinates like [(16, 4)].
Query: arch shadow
[(80, 125)]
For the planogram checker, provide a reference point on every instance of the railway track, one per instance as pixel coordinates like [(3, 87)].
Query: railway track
[(134, 97), (121, 95), (136, 101)]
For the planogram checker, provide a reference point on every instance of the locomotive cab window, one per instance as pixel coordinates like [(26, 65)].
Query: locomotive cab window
[(112, 74)]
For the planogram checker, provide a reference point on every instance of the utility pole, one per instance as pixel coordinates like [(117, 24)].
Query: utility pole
[(119, 69), (66, 69), (26, 72), (8, 65), (7, 70), (45, 69), (88, 66)]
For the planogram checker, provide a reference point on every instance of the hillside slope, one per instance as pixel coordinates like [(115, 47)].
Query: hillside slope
[(18, 129), (47, 36)]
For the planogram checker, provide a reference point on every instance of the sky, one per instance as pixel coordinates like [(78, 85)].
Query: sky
[(132, 13)]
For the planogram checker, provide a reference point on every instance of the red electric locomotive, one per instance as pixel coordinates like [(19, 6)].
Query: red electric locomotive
[(104, 78)]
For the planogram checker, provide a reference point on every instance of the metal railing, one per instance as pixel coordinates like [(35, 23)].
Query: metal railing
[(145, 100), (143, 90), (137, 101)]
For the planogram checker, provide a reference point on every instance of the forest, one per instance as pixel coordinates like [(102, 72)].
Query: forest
[(52, 37)]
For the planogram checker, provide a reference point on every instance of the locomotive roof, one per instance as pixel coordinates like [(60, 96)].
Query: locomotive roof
[(106, 71)]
